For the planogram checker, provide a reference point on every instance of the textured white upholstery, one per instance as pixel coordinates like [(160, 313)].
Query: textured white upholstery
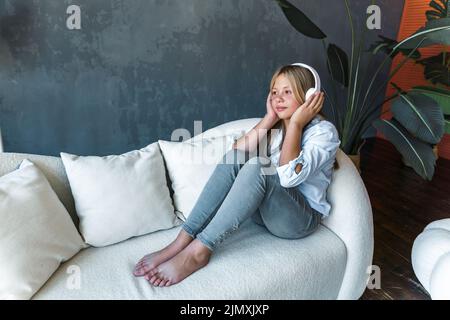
[(235, 128), (330, 264), (251, 264), (351, 220), (431, 259)]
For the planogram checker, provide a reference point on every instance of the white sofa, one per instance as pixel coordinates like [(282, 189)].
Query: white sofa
[(332, 263), (430, 258)]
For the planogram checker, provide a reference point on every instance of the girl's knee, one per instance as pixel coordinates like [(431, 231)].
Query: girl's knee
[(258, 162), (252, 167), (234, 156), (231, 163), (261, 167)]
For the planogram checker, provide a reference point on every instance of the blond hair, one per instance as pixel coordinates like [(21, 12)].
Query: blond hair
[(301, 79)]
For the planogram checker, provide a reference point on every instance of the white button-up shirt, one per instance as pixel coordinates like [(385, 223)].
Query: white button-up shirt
[(319, 144)]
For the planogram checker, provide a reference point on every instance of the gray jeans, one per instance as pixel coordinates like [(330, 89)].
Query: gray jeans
[(240, 188)]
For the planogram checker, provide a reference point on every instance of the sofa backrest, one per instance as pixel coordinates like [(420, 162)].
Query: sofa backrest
[(53, 169), (235, 128)]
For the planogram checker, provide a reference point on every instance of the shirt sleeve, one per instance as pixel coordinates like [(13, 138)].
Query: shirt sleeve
[(318, 150)]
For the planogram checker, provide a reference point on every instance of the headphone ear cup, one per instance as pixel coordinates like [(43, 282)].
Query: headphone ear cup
[(309, 93)]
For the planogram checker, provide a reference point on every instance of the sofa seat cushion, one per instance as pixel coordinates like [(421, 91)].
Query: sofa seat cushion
[(251, 264)]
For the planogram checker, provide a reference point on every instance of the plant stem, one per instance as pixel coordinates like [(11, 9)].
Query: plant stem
[(333, 102), (396, 69), (350, 80), (356, 77), (368, 64), (372, 81), (368, 122), (335, 114)]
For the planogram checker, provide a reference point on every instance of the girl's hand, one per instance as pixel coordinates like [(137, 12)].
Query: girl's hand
[(308, 110), (271, 115)]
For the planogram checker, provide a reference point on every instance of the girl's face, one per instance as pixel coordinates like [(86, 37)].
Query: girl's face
[(283, 99)]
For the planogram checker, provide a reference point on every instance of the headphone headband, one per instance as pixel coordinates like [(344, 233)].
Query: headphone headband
[(316, 88)]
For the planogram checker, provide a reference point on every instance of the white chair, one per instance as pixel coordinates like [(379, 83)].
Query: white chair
[(431, 259)]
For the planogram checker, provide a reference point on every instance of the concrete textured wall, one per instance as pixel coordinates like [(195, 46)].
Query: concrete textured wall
[(138, 69)]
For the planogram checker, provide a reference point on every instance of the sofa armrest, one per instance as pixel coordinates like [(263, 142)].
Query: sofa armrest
[(351, 220)]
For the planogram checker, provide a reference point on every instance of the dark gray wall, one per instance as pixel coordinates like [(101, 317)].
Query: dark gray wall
[(139, 69)]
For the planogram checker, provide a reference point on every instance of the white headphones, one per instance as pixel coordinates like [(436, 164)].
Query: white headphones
[(316, 88)]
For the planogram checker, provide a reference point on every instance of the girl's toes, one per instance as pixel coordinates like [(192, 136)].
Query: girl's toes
[(157, 282), (140, 270), (153, 279), (151, 272), (148, 276), (162, 283)]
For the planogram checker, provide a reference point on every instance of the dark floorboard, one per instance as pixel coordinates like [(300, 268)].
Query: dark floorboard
[(403, 204)]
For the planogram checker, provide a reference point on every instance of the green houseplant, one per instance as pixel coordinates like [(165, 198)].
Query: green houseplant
[(417, 123), (437, 72), (437, 67)]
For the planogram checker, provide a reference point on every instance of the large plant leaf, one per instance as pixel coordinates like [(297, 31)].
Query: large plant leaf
[(338, 64), (437, 73), (447, 124), (436, 31), (440, 95), (437, 68), (420, 115), (386, 46), (300, 21), (440, 10), (418, 154), (439, 58)]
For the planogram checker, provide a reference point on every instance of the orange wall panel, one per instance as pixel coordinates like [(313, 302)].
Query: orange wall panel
[(411, 74)]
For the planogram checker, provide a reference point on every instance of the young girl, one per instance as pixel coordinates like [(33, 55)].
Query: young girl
[(289, 203)]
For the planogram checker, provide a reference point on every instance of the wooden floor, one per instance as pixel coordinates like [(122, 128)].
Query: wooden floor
[(403, 204)]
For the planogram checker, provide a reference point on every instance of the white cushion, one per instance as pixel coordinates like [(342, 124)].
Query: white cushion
[(52, 168), (430, 259), (120, 196), (190, 164), (251, 264), (36, 232)]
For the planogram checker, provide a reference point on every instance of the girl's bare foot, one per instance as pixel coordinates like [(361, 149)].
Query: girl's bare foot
[(194, 257), (150, 261)]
